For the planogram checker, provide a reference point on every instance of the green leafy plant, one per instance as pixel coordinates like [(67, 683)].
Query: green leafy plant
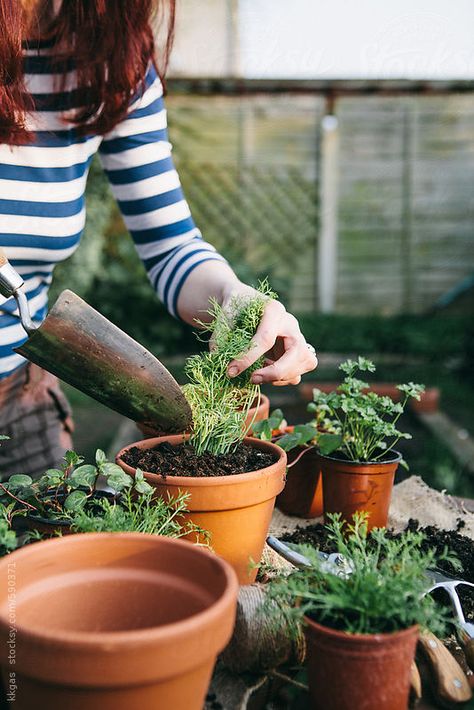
[(60, 491), (139, 513), (220, 404), (8, 538), (367, 420), (320, 432), (384, 592)]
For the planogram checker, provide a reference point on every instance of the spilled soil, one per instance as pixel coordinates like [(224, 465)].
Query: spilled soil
[(181, 460)]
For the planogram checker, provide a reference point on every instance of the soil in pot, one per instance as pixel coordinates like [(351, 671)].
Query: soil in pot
[(348, 671), (350, 486), (129, 621), (181, 460), (463, 547), (229, 499)]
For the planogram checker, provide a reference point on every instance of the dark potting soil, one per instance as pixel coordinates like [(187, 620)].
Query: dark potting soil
[(457, 544), (182, 460)]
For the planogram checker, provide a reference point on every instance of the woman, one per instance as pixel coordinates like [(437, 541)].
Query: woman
[(77, 78)]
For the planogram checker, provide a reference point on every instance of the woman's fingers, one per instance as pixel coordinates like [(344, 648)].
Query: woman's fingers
[(279, 337), (263, 340), (295, 361)]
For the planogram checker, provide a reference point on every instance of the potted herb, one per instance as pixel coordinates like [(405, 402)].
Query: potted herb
[(48, 502), (67, 500), (302, 495), (359, 463), (362, 623), (232, 481), (124, 620)]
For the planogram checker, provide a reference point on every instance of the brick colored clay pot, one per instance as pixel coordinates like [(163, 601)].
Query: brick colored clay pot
[(302, 495), (367, 672), (236, 510), (350, 486), (114, 621), (258, 414)]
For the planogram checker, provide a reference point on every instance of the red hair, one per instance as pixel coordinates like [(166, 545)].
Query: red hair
[(111, 43)]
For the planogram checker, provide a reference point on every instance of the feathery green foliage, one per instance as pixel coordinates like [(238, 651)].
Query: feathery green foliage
[(385, 592), (138, 513), (220, 404)]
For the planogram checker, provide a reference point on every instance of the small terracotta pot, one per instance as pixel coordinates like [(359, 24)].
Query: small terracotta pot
[(258, 413), (349, 486), (348, 671), (235, 510), (302, 495), (120, 621)]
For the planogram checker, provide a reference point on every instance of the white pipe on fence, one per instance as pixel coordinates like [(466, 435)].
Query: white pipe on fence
[(327, 245)]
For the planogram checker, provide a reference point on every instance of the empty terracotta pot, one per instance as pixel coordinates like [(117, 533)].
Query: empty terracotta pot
[(236, 510), (349, 486), (120, 621), (258, 413), (302, 495), (367, 672)]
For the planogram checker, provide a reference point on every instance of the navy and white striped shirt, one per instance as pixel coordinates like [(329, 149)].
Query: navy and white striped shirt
[(42, 205)]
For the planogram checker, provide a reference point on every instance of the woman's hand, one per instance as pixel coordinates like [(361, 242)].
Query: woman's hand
[(279, 339)]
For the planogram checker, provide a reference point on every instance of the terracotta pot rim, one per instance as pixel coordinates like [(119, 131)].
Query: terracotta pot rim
[(115, 640), (204, 481), (261, 400), (370, 638), (398, 457)]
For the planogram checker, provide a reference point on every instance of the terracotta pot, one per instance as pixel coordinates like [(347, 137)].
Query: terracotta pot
[(120, 621), (428, 403), (236, 510), (367, 672), (258, 413), (349, 486), (302, 495)]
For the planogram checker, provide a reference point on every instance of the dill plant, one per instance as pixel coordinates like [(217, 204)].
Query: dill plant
[(384, 593), (220, 404)]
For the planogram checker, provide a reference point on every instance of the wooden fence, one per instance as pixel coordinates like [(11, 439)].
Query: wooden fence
[(387, 190)]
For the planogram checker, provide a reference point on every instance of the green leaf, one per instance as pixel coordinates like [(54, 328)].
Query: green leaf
[(73, 459), (118, 479), (306, 432), (288, 441), (328, 443), (100, 457), (3, 437), (109, 468), (143, 487), (19, 481), (75, 501), (84, 476)]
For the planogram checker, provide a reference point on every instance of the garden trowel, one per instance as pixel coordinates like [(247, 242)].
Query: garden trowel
[(83, 348)]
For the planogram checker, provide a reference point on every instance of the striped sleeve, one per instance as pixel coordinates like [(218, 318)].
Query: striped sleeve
[(136, 156)]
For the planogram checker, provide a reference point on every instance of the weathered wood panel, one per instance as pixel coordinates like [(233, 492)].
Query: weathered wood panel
[(250, 168)]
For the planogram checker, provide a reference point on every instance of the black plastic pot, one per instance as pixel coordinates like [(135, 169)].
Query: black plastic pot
[(50, 527)]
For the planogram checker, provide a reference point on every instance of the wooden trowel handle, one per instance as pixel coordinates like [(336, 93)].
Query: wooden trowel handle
[(468, 649), (450, 682)]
